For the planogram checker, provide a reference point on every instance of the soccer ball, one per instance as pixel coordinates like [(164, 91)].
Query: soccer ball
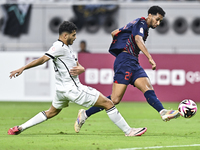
[(187, 108)]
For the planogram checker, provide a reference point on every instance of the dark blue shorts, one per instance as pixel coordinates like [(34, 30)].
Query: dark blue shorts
[(127, 69)]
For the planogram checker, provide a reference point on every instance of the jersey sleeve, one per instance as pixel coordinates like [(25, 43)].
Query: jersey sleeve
[(55, 51), (140, 28)]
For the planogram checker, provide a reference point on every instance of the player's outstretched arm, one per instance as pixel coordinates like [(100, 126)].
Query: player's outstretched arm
[(140, 43), (32, 64), (16, 73), (77, 70)]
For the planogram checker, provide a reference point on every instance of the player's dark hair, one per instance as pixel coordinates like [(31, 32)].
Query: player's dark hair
[(67, 26), (156, 9)]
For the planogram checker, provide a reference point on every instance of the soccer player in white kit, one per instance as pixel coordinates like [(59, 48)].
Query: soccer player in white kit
[(68, 86)]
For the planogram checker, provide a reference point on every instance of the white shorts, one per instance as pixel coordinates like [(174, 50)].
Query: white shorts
[(81, 95)]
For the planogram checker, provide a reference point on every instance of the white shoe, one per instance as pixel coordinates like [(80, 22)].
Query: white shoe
[(167, 115), (137, 132), (80, 120)]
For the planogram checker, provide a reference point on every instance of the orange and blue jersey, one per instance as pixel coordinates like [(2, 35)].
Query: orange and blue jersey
[(125, 38)]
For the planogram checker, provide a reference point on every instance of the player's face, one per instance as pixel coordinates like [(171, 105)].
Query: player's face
[(155, 20), (71, 38)]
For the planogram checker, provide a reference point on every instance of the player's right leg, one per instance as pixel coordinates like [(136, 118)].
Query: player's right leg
[(116, 117), (39, 118), (144, 85)]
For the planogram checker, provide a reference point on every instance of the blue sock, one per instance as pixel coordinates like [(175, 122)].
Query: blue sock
[(93, 110), (153, 100)]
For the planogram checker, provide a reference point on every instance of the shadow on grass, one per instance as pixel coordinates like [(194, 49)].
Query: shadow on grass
[(103, 134), (62, 133)]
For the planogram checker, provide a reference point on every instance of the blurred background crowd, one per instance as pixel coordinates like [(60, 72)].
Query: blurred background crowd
[(8, 1), (34, 26)]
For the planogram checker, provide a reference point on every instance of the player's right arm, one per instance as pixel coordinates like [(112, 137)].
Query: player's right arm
[(77, 70), (32, 64)]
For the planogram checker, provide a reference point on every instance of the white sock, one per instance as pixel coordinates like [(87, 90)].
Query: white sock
[(85, 116), (161, 112), (117, 119), (39, 118)]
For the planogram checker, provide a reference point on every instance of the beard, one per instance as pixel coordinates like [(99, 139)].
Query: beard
[(152, 27), (70, 42), (151, 24)]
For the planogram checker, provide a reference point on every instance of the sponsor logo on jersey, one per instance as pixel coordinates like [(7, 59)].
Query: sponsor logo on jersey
[(142, 30)]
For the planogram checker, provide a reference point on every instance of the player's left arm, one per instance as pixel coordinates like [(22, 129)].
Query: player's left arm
[(113, 33), (77, 70), (140, 43)]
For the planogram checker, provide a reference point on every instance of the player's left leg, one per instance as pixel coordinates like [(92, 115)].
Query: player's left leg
[(39, 118), (118, 91), (112, 113), (144, 85)]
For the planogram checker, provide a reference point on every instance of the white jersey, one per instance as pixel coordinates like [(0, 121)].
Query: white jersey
[(64, 59)]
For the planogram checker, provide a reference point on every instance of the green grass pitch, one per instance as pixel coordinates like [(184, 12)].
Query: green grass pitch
[(98, 133)]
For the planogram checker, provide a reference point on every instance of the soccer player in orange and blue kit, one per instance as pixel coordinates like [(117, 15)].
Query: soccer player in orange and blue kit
[(127, 43)]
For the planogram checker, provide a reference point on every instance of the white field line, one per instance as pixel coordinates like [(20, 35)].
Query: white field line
[(155, 147)]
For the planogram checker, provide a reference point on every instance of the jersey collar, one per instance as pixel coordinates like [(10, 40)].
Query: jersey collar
[(145, 21), (62, 42)]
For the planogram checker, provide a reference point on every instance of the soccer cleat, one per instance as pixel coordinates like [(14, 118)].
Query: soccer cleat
[(14, 131), (137, 132), (80, 120), (167, 115)]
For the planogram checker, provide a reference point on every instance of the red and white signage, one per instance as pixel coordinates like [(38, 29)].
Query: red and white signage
[(176, 77)]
